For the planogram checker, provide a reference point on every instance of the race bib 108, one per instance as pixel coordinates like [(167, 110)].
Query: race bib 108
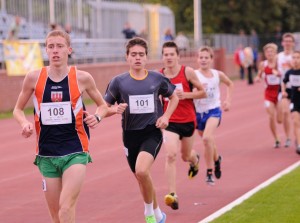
[(56, 113)]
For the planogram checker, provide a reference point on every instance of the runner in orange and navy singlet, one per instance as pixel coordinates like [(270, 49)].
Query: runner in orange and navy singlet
[(61, 124), (58, 110)]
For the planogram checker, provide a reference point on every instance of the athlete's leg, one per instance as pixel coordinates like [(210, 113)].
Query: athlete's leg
[(187, 152), (296, 123), (210, 152), (171, 141), (142, 172), (52, 194), (72, 181), (286, 115), (272, 122), (279, 111)]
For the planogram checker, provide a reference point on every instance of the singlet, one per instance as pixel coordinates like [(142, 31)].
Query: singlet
[(293, 77), (58, 115), (272, 81), (185, 111), (211, 86), (142, 97), (283, 62)]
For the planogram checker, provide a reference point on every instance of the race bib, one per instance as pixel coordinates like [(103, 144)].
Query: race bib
[(295, 80), (179, 87), (141, 104), (56, 113), (273, 79)]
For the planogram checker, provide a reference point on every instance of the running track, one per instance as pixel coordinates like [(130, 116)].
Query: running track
[(110, 193)]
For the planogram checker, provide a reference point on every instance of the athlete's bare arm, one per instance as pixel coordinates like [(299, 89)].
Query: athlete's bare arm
[(87, 83), (224, 79), (192, 78), (116, 109), (163, 121), (25, 94), (260, 72)]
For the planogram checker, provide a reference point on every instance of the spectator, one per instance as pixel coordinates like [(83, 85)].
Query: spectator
[(168, 35), (248, 63), (254, 39), (128, 31), (13, 33), (182, 42), (239, 58)]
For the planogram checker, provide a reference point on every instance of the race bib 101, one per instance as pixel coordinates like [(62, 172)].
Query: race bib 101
[(141, 104)]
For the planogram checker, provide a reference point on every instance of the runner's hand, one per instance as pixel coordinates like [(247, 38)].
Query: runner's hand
[(180, 94), (27, 129), (121, 108), (90, 120), (226, 105), (162, 122)]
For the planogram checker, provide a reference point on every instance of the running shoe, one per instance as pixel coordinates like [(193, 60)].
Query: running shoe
[(163, 220), (277, 144), (171, 200), (194, 168), (210, 179), (218, 172), (150, 219), (287, 143)]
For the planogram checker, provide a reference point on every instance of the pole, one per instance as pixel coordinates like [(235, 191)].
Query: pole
[(197, 23)]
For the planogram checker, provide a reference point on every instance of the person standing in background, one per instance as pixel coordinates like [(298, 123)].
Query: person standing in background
[(13, 33), (128, 31), (239, 59)]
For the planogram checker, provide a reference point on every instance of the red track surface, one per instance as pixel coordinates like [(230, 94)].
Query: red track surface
[(110, 193)]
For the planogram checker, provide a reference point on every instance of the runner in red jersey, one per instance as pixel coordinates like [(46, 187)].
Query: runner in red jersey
[(182, 122), (268, 68)]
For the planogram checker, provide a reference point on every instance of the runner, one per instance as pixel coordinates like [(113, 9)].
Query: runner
[(208, 110), (268, 68), (182, 122), (293, 78), (61, 123), (284, 64), (137, 93)]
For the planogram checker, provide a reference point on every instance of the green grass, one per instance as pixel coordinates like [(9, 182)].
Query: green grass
[(279, 202)]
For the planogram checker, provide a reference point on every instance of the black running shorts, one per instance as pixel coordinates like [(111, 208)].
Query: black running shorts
[(182, 129), (148, 139)]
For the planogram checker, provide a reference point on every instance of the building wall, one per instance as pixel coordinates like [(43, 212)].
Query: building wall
[(10, 86)]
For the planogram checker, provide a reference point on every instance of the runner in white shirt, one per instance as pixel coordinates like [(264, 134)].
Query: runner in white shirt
[(284, 59), (208, 110)]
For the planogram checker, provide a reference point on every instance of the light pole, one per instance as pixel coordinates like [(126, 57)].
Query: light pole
[(197, 23)]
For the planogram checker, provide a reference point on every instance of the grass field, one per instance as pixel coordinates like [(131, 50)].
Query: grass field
[(277, 203)]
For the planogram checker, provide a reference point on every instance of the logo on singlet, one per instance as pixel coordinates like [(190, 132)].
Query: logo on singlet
[(56, 96)]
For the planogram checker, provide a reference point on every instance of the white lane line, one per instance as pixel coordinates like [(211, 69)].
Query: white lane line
[(249, 194)]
